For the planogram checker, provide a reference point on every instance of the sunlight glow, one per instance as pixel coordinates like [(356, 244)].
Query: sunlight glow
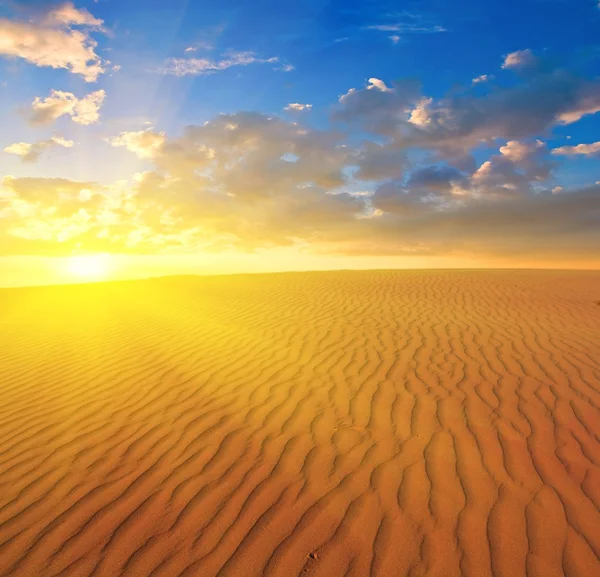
[(90, 267)]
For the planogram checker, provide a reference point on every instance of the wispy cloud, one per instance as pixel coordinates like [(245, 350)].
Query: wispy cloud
[(407, 23), (482, 79), (297, 107), (200, 45), (199, 66), (286, 68), (206, 39), (405, 28)]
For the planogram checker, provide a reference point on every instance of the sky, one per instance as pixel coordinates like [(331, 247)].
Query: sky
[(153, 137)]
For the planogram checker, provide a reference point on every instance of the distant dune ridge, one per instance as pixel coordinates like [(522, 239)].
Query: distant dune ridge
[(331, 424)]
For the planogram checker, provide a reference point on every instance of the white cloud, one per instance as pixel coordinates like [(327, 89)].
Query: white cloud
[(297, 107), (286, 68), (144, 143), (482, 78), (197, 66), (406, 28), (520, 59), (68, 15), (518, 152), (375, 83), (580, 149), (420, 114), (394, 38), (31, 152), (83, 111), (384, 27), (53, 43)]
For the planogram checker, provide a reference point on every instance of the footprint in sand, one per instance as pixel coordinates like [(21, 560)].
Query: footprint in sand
[(311, 562)]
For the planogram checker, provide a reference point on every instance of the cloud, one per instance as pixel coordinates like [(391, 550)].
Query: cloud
[(588, 102), (205, 39), (405, 28), (440, 179), (297, 107), (394, 38), (286, 68), (520, 59), (377, 162), (67, 15), (517, 170), (32, 152), (581, 149), (481, 79), (162, 212), (395, 172), (378, 108), (453, 125), (198, 66), (517, 152), (54, 43), (83, 111), (408, 23), (144, 143), (377, 84)]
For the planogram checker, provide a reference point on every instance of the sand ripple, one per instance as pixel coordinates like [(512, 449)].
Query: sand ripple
[(316, 424)]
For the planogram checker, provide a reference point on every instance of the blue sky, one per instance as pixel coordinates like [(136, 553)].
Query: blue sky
[(444, 106)]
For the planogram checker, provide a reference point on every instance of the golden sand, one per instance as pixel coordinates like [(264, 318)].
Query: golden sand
[(354, 424)]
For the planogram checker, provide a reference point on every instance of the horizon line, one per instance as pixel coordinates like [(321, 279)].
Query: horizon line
[(284, 272)]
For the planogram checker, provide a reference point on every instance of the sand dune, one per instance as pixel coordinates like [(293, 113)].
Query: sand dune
[(323, 424)]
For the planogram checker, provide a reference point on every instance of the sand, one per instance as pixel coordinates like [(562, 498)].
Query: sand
[(373, 423)]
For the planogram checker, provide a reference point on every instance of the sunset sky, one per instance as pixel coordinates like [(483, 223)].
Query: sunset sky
[(151, 137)]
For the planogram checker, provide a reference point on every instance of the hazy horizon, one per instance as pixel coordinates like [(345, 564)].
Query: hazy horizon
[(192, 275)]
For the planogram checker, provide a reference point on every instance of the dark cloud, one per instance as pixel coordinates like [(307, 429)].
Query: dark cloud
[(437, 178), (455, 124)]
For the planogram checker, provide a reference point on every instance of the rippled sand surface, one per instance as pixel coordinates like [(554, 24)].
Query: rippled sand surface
[(377, 423)]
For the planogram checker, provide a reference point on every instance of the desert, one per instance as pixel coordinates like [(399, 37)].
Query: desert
[(349, 423)]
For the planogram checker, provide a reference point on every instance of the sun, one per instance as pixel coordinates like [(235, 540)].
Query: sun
[(90, 267)]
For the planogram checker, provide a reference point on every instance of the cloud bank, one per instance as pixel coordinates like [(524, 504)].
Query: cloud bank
[(397, 172)]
